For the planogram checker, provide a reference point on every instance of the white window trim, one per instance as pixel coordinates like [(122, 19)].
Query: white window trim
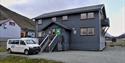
[(83, 16), (64, 18), (39, 21), (87, 30), (91, 15), (54, 18)]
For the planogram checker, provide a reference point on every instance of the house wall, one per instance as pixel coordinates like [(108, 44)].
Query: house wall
[(78, 42), (101, 33), (8, 31), (64, 33)]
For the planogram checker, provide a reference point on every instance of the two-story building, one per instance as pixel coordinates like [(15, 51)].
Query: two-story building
[(80, 29)]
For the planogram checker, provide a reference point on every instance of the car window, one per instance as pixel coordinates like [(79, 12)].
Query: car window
[(30, 42), (22, 42), (14, 41), (10, 41)]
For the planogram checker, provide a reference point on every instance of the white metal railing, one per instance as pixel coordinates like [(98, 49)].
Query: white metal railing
[(44, 39), (52, 41)]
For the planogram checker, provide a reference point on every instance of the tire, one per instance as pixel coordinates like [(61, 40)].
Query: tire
[(26, 52), (37, 52), (9, 50)]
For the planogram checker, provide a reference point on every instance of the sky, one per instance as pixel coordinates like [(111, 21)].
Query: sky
[(115, 9)]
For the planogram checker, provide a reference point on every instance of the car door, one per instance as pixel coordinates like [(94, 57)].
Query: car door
[(22, 46), (15, 46)]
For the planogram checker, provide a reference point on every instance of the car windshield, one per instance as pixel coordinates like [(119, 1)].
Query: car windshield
[(30, 42)]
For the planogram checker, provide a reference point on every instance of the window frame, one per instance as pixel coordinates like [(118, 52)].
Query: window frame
[(81, 16), (23, 42), (87, 17), (65, 17), (90, 15), (87, 32), (41, 33), (54, 19), (14, 42), (39, 22)]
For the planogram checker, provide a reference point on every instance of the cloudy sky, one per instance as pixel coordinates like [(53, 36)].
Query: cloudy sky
[(115, 9)]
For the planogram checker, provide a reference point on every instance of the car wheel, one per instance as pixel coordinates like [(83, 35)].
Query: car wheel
[(9, 51), (37, 52), (26, 52)]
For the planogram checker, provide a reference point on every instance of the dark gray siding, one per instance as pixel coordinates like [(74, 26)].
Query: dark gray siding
[(101, 34), (64, 33), (78, 42)]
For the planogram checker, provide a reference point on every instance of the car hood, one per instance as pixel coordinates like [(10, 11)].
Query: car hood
[(33, 45)]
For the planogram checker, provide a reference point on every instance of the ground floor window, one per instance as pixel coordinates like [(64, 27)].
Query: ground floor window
[(87, 31), (41, 34)]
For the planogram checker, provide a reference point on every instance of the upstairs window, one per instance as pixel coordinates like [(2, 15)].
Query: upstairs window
[(87, 31), (12, 23), (87, 15), (39, 21), (91, 15), (83, 16), (64, 17), (54, 19)]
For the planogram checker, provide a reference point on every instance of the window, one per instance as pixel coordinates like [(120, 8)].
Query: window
[(91, 15), (13, 41), (30, 42), (41, 34), (12, 23), (54, 19), (87, 31), (22, 42), (10, 41), (0, 24), (64, 17), (83, 31), (83, 16), (91, 31), (39, 21)]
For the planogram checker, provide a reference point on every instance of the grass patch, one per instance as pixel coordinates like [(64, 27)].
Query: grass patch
[(18, 59), (2, 49), (119, 43)]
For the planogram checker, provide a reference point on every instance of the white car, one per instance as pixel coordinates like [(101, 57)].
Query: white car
[(26, 46)]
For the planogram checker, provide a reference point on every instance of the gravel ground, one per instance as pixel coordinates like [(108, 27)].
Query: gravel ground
[(109, 55)]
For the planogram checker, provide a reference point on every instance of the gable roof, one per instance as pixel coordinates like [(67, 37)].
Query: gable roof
[(3, 21), (24, 22), (59, 24), (72, 11)]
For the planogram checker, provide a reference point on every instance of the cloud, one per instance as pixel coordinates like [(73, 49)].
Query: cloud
[(12, 2), (117, 21), (33, 8)]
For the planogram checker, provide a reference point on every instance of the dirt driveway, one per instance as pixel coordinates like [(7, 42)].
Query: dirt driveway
[(109, 55)]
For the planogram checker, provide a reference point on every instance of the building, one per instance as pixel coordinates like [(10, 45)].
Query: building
[(14, 25), (9, 29), (80, 29)]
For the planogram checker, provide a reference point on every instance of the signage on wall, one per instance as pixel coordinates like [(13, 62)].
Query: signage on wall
[(58, 31)]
